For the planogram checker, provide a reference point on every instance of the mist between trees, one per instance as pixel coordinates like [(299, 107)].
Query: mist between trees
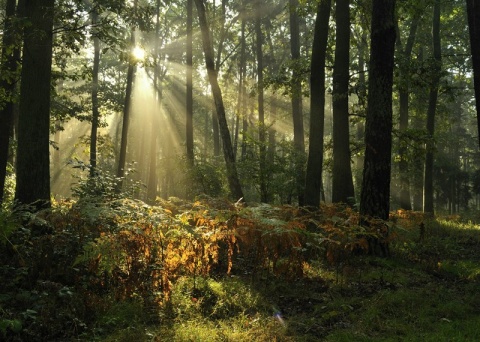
[(369, 104)]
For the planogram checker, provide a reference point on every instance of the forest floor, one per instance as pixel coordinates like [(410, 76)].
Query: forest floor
[(70, 285), (427, 290)]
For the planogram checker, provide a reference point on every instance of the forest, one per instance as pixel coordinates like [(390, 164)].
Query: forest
[(243, 170)]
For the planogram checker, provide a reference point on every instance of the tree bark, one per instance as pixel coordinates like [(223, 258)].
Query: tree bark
[(403, 93), (241, 105), (473, 14), (261, 109), (9, 69), (95, 104), (362, 105), (189, 95), (298, 131), (152, 183), (342, 182), (375, 195), (126, 114), (313, 179), (232, 175), (428, 205), (33, 158)]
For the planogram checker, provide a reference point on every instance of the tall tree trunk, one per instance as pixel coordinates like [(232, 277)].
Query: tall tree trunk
[(245, 127), (261, 110), (216, 133), (274, 104), (33, 157), (375, 195), (215, 123), (342, 185), (362, 104), (152, 182), (403, 93), (419, 160), (241, 105), (189, 99), (473, 13), (95, 104), (232, 175), (126, 113), (298, 132), (428, 205), (313, 179), (10, 57)]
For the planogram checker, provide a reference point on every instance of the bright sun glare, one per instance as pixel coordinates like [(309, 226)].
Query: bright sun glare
[(138, 53)]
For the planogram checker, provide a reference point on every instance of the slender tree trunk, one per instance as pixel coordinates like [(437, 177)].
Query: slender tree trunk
[(404, 91), (362, 104), (95, 104), (473, 13), (152, 182), (375, 195), (232, 175), (241, 105), (313, 180), (10, 57), (419, 159), (244, 128), (33, 155), (189, 100), (216, 133), (273, 67), (215, 123), (261, 110), (342, 185), (126, 114), (428, 205), (298, 132)]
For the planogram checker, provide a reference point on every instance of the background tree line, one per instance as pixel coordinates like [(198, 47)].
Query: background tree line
[(354, 101)]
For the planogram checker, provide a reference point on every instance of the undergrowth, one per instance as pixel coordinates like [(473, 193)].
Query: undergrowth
[(108, 268)]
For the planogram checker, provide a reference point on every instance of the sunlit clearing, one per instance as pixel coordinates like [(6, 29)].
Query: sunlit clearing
[(138, 53)]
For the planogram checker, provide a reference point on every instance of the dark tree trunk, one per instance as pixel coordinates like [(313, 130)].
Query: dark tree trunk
[(362, 101), (473, 13), (216, 133), (313, 180), (342, 182), (375, 195), (33, 159), (419, 160), (189, 99), (245, 127), (232, 175), (95, 105), (10, 57), (298, 132), (241, 105), (404, 90), (274, 104), (126, 114), (428, 206)]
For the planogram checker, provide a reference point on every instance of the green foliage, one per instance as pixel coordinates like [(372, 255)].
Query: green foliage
[(9, 191), (112, 268), (104, 186), (206, 178)]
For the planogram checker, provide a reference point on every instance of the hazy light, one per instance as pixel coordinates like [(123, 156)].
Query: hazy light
[(138, 53)]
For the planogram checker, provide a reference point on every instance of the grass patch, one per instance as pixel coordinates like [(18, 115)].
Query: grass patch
[(427, 291), (158, 283)]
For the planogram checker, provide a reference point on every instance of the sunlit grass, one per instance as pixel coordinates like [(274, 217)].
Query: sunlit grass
[(426, 291)]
